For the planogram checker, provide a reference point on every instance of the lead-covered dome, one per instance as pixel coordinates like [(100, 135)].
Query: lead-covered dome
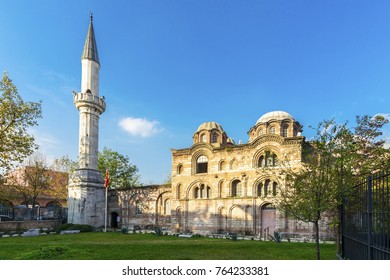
[(210, 126), (211, 132), (274, 115), (275, 123)]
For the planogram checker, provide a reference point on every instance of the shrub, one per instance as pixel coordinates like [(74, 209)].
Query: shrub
[(277, 237), (46, 253), (81, 228), (158, 231), (232, 235)]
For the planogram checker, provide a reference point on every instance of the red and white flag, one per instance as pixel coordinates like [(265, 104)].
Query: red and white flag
[(107, 180)]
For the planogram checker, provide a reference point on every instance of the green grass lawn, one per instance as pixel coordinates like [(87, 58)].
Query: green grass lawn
[(118, 246)]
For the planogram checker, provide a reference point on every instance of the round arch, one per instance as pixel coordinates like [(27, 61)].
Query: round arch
[(114, 220), (235, 187), (194, 160), (262, 152), (268, 219)]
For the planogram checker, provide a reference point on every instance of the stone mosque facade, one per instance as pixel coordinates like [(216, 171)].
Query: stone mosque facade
[(220, 187)]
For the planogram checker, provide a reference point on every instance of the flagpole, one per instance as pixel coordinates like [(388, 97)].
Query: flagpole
[(105, 212), (106, 183)]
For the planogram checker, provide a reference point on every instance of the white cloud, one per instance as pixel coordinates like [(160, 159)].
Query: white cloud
[(140, 127)]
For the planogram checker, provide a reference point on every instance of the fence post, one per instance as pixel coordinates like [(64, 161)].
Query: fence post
[(369, 212)]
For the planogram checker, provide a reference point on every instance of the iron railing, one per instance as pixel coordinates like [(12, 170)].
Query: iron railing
[(365, 219)]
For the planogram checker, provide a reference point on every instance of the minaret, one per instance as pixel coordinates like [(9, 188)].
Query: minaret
[(86, 193)]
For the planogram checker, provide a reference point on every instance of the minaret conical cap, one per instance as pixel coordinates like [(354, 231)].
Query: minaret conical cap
[(90, 48)]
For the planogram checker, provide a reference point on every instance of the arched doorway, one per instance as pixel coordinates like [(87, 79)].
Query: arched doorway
[(268, 220), (114, 220)]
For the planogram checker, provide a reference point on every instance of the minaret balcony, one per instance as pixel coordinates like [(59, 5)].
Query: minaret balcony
[(82, 99)]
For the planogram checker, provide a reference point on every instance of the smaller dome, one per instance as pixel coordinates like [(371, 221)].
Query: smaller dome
[(230, 141), (210, 126), (274, 115)]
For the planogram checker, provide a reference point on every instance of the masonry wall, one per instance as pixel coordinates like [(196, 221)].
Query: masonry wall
[(25, 225)]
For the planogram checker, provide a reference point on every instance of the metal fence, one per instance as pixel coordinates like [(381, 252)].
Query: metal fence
[(24, 213), (365, 220)]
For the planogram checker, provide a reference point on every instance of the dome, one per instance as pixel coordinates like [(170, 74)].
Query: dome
[(210, 126), (274, 115)]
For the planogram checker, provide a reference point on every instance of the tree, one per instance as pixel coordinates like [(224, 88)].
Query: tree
[(309, 194), (61, 169), (64, 164), (332, 162), (123, 174), (29, 181), (16, 116), (35, 179)]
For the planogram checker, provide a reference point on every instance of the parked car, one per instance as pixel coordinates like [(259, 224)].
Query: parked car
[(4, 218)]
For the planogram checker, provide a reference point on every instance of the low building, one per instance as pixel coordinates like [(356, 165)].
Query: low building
[(29, 193)]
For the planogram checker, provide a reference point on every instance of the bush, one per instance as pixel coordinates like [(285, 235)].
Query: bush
[(158, 231), (277, 237), (81, 228), (232, 235), (46, 253)]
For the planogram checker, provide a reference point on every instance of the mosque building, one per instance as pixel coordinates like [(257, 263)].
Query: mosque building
[(221, 187)]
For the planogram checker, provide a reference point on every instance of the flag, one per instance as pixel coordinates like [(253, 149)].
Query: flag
[(107, 180)]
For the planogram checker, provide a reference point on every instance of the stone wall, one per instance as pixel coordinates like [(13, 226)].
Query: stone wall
[(25, 225)]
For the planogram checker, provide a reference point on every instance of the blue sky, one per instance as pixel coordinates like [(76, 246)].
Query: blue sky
[(169, 65)]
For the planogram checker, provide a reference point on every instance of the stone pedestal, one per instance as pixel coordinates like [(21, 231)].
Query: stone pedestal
[(86, 198)]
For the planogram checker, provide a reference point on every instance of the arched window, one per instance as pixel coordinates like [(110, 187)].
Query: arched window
[(196, 193), (221, 165), (261, 162), (270, 159), (284, 130), (203, 138), (274, 188), (259, 188), (236, 188), (266, 187), (272, 130), (214, 138), (220, 189), (179, 169), (202, 191), (201, 164), (208, 192), (261, 132)]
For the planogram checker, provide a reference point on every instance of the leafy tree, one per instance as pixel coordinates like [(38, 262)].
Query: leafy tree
[(123, 174), (30, 180), (309, 194), (16, 116), (64, 164), (35, 179), (332, 162)]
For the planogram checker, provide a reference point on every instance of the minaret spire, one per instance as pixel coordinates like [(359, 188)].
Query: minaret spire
[(90, 47)]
